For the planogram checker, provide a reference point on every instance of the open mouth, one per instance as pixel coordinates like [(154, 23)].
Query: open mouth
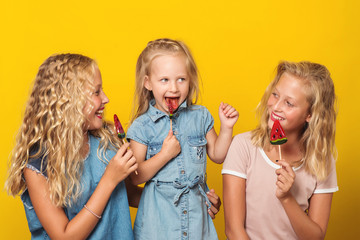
[(99, 113), (172, 103), (276, 117)]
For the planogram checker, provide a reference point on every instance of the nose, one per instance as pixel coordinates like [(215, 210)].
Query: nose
[(277, 105), (105, 99), (173, 86)]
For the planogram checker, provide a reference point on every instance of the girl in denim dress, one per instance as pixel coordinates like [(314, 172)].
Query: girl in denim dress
[(65, 162), (171, 153)]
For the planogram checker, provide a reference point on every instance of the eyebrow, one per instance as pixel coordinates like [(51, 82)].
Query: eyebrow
[(287, 96)]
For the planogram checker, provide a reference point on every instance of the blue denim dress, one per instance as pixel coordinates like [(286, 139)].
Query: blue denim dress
[(115, 222), (172, 204)]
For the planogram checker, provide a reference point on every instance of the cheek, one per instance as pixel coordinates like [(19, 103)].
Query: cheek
[(96, 101), (270, 101)]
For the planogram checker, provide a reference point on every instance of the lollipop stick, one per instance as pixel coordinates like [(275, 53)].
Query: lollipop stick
[(170, 124), (280, 152)]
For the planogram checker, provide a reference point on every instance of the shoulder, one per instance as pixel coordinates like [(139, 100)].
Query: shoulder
[(142, 120), (198, 109), (38, 163), (240, 147), (239, 156), (140, 129), (329, 184), (243, 139), (199, 112)]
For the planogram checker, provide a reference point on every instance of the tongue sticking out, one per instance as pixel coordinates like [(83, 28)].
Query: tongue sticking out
[(172, 104)]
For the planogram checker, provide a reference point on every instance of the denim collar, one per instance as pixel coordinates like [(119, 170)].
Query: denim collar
[(155, 113)]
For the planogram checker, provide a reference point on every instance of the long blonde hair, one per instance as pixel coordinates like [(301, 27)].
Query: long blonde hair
[(318, 138), (53, 127), (161, 47)]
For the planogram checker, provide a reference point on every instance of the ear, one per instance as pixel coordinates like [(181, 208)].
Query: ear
[(307, 119), (147, 83)]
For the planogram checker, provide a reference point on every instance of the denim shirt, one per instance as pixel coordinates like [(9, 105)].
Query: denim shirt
[(173, 202), (115, 222)]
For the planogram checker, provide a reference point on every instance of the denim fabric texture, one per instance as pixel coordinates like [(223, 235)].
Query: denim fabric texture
[(115, 222), (173, 203)]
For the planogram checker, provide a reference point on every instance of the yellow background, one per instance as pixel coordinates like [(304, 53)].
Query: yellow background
[(236, 44)]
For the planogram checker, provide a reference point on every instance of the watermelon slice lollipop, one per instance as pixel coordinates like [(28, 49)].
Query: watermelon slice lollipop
[(277, 135), (172, 104), (119, 128), (120, 131)]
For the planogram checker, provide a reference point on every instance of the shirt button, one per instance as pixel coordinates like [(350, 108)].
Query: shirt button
[(175, 132), (184, 212), (182, 172), (185, 234)]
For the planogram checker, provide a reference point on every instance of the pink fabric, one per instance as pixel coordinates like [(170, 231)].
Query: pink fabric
[(265, 216)]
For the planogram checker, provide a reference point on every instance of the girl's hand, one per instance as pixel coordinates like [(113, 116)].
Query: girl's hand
[(121, 165), (285, 180), (215, 203), (171, 146), (228, 115)]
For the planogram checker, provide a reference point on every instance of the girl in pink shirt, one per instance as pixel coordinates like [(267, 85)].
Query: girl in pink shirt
[(290, 198)]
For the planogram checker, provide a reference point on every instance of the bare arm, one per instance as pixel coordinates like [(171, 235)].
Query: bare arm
[(133, 193), (54, 219), (217, 146), (234, 207), (147, 169), (306, 226)]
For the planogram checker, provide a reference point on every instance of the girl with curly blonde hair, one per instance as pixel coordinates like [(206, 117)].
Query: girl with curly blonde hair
[(270, 198), (66, 164)]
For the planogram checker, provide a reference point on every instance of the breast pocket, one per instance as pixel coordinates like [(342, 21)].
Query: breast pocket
[(153, 149), (197, 145)]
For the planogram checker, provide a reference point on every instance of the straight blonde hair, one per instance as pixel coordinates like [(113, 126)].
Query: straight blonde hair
[(161, 47), (318, 138), (53, 127)]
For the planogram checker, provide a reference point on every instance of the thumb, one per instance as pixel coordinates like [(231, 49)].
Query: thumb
[(221, 106), (170, 133)]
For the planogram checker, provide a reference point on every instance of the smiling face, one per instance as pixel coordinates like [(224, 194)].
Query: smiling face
[(288, 104), (94, 110), (168, 80)]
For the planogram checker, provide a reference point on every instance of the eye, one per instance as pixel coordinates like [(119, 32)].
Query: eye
[(164, 80), (181, 79), (98, 91), (289, 104), (275, 95)]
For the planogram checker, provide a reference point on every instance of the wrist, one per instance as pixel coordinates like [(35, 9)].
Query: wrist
[(108, 180), (285, 199), (164, 155), (226, 129)]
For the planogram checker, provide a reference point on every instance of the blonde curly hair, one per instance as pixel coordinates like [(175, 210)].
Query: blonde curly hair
[(54, 127), (161, 47), (318, 138)]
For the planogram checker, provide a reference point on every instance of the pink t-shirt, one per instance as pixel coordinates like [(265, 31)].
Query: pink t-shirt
[(265, 216)]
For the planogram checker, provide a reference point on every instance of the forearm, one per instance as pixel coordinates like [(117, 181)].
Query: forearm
[(235, 233), (234, 207), (85, 221), (303, 225), (133, 193), (222, 145), (147, 169)]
